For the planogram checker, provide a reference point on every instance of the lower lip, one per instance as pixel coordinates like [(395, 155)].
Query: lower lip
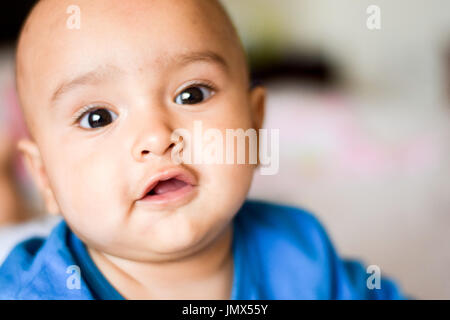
[(177, 197)]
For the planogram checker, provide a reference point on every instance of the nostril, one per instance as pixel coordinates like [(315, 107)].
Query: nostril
[(145, 152)]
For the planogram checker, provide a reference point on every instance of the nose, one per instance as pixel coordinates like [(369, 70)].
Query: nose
[(153, 136)]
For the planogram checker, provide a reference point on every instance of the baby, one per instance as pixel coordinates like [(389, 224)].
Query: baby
[(103, 85)]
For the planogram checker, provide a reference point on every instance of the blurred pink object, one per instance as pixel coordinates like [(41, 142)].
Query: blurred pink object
[(15, 127)]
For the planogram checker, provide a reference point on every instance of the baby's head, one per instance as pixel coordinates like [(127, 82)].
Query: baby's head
[(101, 103)]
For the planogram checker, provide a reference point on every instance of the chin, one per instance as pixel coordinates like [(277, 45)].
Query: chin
[(177, 243)]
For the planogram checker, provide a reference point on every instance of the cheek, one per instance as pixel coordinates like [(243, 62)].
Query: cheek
[(88, 191), (227, 185), (236, 113)]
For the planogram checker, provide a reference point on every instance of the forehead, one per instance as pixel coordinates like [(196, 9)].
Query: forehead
[(128, 34)]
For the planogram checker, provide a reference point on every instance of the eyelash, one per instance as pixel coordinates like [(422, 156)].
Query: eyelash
[(204, 83), (86, 109), (83, 111)]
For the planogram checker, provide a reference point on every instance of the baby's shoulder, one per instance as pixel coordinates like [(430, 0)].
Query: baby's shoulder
[(37, 268), (18, 268), (285, 233), (286, 251), (282, 222), (293, 256)]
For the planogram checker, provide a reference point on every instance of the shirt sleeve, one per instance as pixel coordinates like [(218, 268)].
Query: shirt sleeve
[(351, 279)]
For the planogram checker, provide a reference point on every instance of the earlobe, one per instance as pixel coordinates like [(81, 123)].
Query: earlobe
[(258, 105), (34, 165)]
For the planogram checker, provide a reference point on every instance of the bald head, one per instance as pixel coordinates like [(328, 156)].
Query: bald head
[(112, 32)]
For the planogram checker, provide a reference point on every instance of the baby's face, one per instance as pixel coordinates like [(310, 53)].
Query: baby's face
[(104, 101)]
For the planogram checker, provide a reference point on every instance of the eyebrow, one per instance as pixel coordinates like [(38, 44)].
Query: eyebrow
[(97, 75), (207, 56), (103, 72)]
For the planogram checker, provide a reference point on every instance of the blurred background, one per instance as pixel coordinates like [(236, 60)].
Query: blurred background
[(364, 119)]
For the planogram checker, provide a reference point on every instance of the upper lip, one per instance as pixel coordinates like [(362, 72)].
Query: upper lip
[(166, 174)]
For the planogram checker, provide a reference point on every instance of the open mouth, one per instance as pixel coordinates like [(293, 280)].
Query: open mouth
[(166, 186), (169, 188)]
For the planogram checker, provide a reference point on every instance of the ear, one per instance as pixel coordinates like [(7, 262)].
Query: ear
[(258, 109), (258, 106), (33, 162)]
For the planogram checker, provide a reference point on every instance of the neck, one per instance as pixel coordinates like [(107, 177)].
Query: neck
[(206, 274)]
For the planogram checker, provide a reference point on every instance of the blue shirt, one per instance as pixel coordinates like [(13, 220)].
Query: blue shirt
[(279, 252)]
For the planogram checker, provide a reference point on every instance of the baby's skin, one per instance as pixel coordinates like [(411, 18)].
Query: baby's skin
[(101, 102)]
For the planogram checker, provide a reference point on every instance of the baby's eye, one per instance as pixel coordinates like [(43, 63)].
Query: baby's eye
[(97, 118), (194, 95)]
